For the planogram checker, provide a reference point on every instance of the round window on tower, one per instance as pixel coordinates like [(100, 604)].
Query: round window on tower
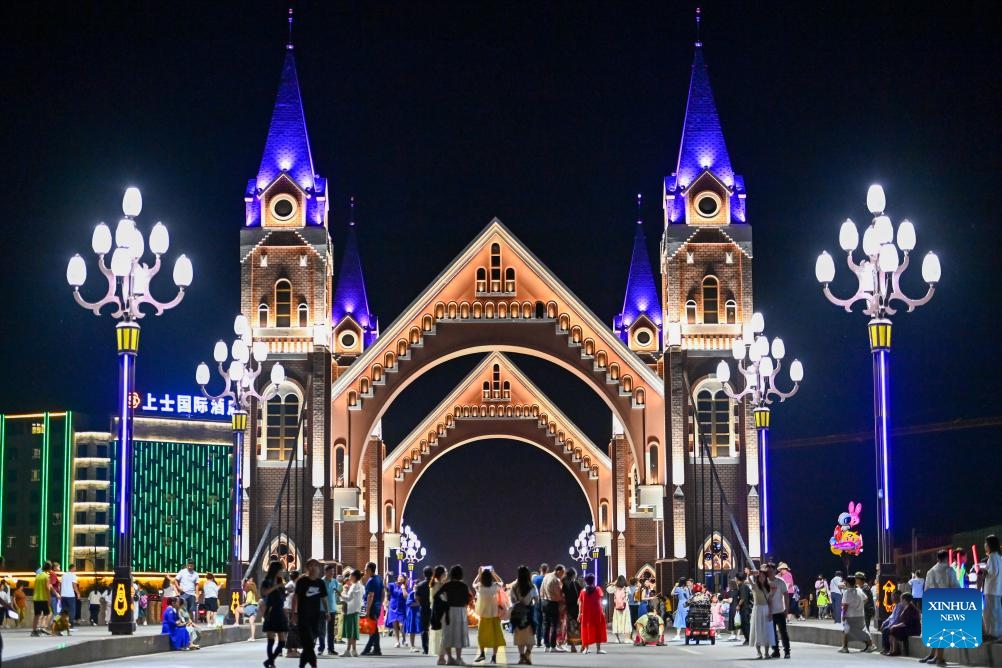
[(283, 207), (644, 337), (347, 340), (707, 204)]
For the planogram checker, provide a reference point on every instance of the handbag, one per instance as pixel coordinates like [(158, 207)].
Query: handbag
[(367, 625), (503, 605)]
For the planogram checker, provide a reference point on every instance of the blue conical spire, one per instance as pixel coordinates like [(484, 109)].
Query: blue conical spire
[(641, 288), (702, 147), (350, 299), (287, 148)]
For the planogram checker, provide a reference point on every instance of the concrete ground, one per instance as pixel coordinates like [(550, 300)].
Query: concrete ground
[(244, 654)]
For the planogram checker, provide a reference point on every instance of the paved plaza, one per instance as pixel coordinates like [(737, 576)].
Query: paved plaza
[(246, 654)]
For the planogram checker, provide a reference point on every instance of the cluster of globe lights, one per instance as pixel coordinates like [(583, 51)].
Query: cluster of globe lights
[(880, 270), (759, 367), (243, 369), (126, 266)]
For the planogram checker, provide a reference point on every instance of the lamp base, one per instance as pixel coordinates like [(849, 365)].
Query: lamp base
[(122, 621)]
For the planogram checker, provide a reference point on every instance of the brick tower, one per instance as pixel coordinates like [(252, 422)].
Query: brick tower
[(706, 254), (285, 278)]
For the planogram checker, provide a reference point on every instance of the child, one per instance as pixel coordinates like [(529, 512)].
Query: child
[(716, 614), (824, 604), (61, 623)]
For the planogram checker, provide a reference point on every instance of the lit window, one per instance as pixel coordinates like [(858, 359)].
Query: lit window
[(496, 385), (509, 279), (33, 541), (506, 390), (262, 315), (282, 425), (304, 314), (731, 312), (652, 461), (35, 476), (495, 268), (711, 288), (487, 389), (713, 412), (283, 303), (481, 279), (340, 466), (690, 312)]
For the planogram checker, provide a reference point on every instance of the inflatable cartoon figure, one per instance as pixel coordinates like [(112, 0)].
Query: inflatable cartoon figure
[(845, 540)]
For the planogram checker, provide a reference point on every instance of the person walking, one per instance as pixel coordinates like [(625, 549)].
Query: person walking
[(422, 594), (763, 630), (187, 585), (853, 615), (412, 620), (786, 576), (41, 600), (276, 624), (778, 601), (352, 596), (94, 603), (681, 594), (551, 593), (835, 589), (991, 582), (591, 618), (307, 607), (745, 602), (620, 593), (396, 609), (489, 633), (455, 630), (372, 606), (571, 588), (524, 598)]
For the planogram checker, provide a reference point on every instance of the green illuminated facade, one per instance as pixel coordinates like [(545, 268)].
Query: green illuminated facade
[(181, 503), (36, 485)]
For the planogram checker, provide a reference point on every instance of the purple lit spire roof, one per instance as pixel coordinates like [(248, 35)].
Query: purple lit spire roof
[(642, 295), (350, 299), (287, 149), (702, 148)]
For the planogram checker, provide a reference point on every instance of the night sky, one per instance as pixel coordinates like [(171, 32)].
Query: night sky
[(439, 116)]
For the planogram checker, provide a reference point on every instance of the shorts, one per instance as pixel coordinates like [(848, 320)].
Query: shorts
[(212, 604), (249, 610), (42, 608)]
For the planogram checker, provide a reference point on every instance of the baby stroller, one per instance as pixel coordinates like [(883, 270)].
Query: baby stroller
[(697, 620)]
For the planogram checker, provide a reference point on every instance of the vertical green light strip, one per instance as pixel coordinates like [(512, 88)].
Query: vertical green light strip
[(43, 543), (67, 489), (3, 465)]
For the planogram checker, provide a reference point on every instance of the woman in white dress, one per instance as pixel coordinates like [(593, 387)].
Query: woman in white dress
[(437, 609), (621, 608), (763, 633)]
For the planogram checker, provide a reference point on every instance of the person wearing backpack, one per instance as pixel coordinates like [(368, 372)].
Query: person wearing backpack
[(524, 599), (649, 629), (869, 607), (620, 612)]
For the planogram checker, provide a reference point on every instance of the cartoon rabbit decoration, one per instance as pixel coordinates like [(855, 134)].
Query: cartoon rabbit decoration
[(845, 540)]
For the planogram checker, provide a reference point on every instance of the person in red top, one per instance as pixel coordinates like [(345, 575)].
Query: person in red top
[(590, 616)]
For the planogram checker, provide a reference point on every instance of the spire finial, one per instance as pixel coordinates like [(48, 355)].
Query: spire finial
[(640, 200), (699, 18), (351, 207), (288, 45)]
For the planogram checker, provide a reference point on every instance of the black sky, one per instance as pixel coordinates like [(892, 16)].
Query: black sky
[(439, 116)]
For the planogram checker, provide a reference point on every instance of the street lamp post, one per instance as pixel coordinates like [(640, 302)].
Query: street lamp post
[(885, 259), (585, 550), (759, 361), (409, 552), (128, 290), (239, 385)]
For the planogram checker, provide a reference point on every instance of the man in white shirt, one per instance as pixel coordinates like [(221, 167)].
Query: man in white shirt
[(940, 576), (551, 594), (69, 592), (836, 588), (778, 609), (992, 587), (918, 588), (187, 586)]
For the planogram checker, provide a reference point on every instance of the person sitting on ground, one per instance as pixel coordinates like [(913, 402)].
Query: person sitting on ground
[(61, 623), (189, 622), (649, 630)]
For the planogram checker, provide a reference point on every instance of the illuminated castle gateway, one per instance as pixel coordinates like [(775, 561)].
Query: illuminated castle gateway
[(652, 497)]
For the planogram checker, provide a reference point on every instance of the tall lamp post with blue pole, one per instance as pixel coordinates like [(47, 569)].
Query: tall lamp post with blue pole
[(410, 552), (128, 291), (759, 361), (239, 385), (886, 256)]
